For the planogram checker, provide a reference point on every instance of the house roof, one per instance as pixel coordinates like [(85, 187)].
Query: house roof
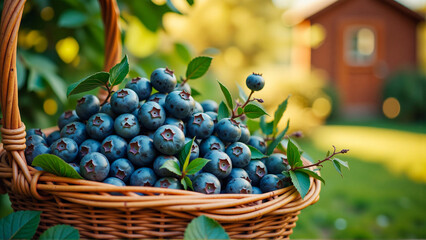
[(320, 7)]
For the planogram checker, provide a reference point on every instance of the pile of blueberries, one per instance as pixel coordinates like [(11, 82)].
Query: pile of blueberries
[(127, 141)]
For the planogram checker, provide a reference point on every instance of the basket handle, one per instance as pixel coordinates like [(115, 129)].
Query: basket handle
[(13, 130)]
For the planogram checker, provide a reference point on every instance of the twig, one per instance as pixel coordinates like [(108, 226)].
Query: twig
[(343, 151)]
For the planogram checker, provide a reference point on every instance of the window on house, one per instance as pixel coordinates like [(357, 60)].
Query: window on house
[(360, 46)]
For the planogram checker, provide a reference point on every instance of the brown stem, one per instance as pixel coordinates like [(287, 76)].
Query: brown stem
[(109, 94), (184, 82), (325, 159), (234, 112)]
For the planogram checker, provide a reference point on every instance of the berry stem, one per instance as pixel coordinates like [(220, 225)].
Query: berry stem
[(109, 89), (184, 82), (235, 113), (318, 164)]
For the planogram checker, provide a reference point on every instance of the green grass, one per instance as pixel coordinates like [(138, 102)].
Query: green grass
[(416, 127), (374, 203)]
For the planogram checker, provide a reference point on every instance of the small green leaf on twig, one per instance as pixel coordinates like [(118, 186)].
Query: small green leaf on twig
[(343, 163), (253, 111), (311, 173), (195, 92), (119, 72), (267, 128), (256, 154), (198, 67), (222, 112), (172, 166), (277, 140), (293, 155), (196, 165), (336, 165), (89, 83), (279, 113), (227, 95), (55, 165), (301, 181)]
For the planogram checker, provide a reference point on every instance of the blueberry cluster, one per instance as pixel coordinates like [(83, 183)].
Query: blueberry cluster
[(128, 140)]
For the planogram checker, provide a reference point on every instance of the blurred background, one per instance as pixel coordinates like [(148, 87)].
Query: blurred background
[(355, 70)]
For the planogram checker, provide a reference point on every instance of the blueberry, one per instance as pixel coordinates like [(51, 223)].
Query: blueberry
[(99, 126), (164, 172), (141, 86), (179, 104), (116, 182), (197, 108), (124, 101), (87, 106), (195, 150), (209, 106), (169, 139), (219, 165), (211, 143), (76, 131), (256, 190), (159, 98), (255, 82), (94, 166), (256, 170), (88, 146), (180, 87), (33, 150), (114, 147), (228, 130), (163, 80), (168, 182), (143, 177), (277, 163), (258, 143), (286, 180), (75, 166), (126, 126), (238, 173), (270, 182), (239, 153), (122, 169), (200, 125), (245, 134), (212, 115), (238, 185), (177, 122), (107, 109), (35, 139), (35, 131), (141, 151), (67, 117), (206, 183), (53, 137), (65, 148), (151, 115)]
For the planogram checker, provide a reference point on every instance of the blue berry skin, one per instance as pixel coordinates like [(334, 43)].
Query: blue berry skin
[(179, 104), (277, 163), (116, 182), (94, 166), (35, 131), (212, 115), (141, 86), (238, 173), (258, 143), (239, 153), (200, 125), (99, 126), (255, 82), (53, 137), (75, 166), (169, 139), (65, 148), (209, 106), (211, 143), (159, 98), (286, 180), (256, 170), (124, 101), (239, 186), (107, 109), (219, 165), (33, 150), (143, 177), (206, 183), (256, 190), (245, 134), (168, 182), (195, 150), (141, 151), (76, 131), (126, 125), (151, 115), (114, 147), (87, 147), (177, 122), (185, 87), (228, 130), (164, 172), (197, 108), (35, 139), (270, 182), (87, 106), (67, 117), (163, 80), (122, 169)]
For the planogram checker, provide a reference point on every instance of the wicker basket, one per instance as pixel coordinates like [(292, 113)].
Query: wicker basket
[(89, 206)]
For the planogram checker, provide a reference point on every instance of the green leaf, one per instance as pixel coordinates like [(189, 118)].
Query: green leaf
[(195, 92), (311, 173), (198, 67), (227, 95), (336, 165), (240, 111), (301, 182), (279, 113), (252, 125), (343, 163), (185, 152), (89, 83), (19, 225), (188, 182), (183, 182), (267, 128), (173, 167), (55, 165), (196, 165), (119, 72), (277, 140), (183, 52), (203, 227), (256, 154), (59, 232), (253, 111), (222, 112), (241, 93), (72, 19), (190, 2), (293, 155), (137, 71), (172, 7)]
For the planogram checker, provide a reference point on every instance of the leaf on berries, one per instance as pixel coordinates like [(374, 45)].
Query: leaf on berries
[(172, 7), (89, 83), (195, 92), (240, 111), (59, 232), (252, 125), (196, 165), (277, 140), (256, 154), (204, 227), (55, 165), (267, 128), (342, 163), (293, 155), (119, 72), (311, 173), (279, 113), (336, 165), (185, 153), (186, 181), (183, 52), (227, 95), (173, 167), (222, 112), (198, 67), (301, 182), (253, 111)]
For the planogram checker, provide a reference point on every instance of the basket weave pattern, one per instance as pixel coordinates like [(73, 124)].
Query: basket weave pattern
[(90, 207)]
